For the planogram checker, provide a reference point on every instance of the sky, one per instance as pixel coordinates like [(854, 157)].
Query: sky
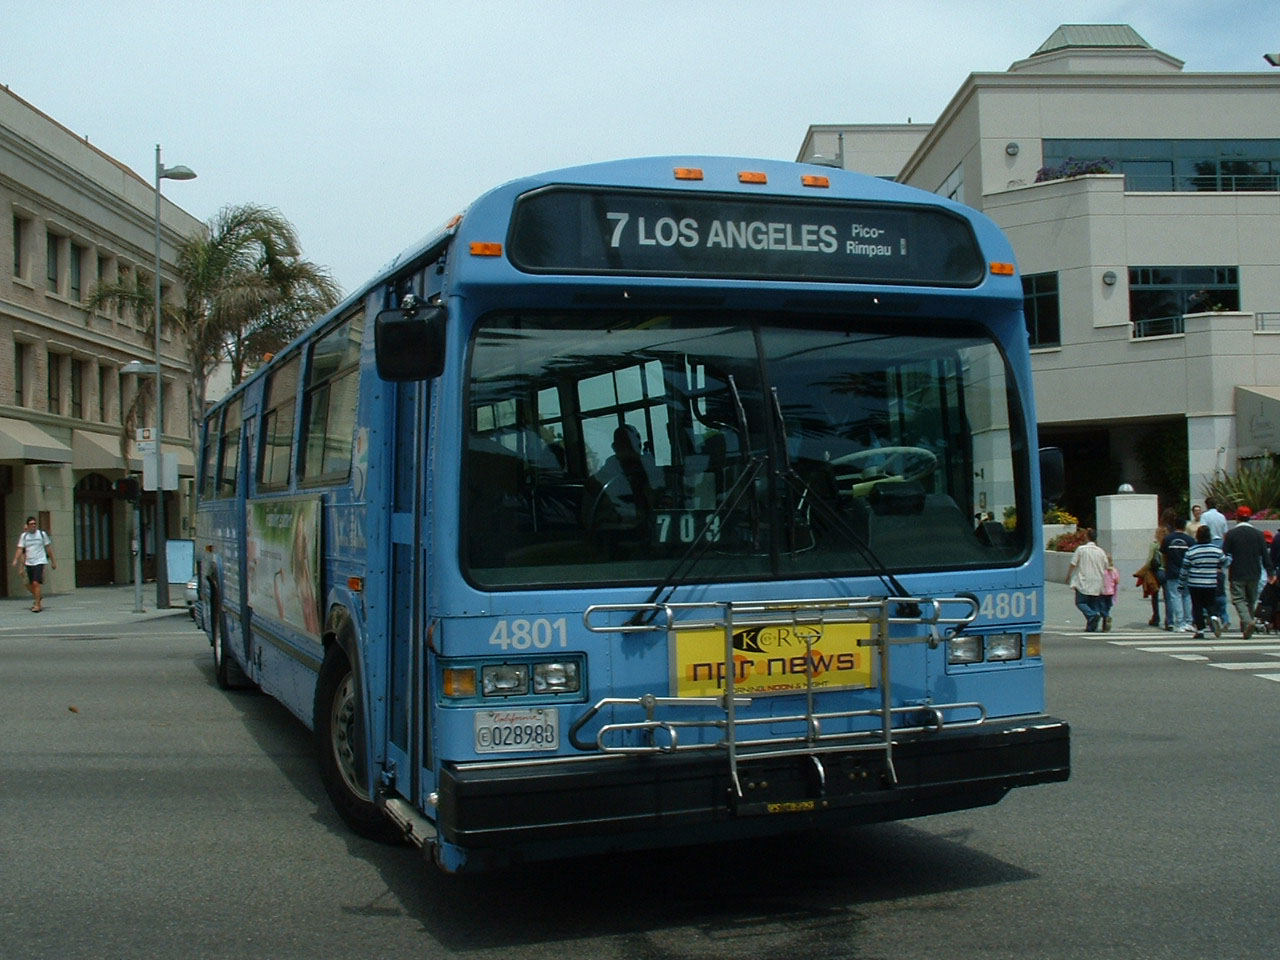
[(369, 123)]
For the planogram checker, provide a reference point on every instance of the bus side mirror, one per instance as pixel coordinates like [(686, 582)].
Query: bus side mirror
[(1052, 475), (409, 344)]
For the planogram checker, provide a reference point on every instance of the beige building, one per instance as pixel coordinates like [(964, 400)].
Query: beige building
[(73, 216), (1143, 203)]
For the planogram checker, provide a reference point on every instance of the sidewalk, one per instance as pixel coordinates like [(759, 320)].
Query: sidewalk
[(1131, 610), (87, 606)]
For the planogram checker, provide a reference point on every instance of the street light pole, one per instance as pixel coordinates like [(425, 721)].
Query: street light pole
[(161, 532)]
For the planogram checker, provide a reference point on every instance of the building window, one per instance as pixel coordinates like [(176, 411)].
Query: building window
[(77, 389), (124, 277), (106, 271), (103, 381), (76, 268), (53, 246), (21, 246), (1040, 304), (1159, 297), (54, 378), (953, 187), (20, 354), (1224, 166)]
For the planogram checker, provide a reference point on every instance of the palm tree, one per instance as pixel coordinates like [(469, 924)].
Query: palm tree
[(246, 292)]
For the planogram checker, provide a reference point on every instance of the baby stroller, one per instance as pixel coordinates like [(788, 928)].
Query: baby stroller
[(1268, 612)]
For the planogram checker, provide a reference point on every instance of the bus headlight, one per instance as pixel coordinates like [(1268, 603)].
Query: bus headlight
[(505, 679), (555, 677), (964, 649), (1004, 646)]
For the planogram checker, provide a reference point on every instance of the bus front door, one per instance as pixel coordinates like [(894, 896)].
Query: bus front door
[(408, 741)]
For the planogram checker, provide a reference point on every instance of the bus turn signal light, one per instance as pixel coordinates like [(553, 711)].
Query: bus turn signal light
[(688, 173), (813, 180), (752, 176), (459, 682), (479, 249), (1002, 269)]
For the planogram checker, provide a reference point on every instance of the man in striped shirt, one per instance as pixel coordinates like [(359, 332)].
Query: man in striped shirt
[(1201, 566)]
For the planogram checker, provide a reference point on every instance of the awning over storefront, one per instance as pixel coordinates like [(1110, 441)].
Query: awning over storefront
[(22, 442), (1258, 419), (95, 451)]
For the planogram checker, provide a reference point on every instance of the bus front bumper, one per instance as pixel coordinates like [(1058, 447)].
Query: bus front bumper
[(625, 802)]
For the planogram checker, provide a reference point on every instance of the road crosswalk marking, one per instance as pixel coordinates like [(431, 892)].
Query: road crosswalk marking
[(1191, 650)]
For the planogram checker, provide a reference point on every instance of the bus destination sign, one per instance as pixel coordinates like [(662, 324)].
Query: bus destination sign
[(663, 233)]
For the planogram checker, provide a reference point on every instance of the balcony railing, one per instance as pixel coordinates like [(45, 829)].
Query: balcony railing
[(1268, 322), (1201, 183), (1159, 327)]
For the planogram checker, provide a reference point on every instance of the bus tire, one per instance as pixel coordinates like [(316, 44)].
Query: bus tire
[(339, 732), (226, 672)]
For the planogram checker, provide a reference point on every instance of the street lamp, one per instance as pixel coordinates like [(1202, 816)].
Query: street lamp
[(161, 531)]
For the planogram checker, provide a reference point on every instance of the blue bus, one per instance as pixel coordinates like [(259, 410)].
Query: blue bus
[(647, 503)]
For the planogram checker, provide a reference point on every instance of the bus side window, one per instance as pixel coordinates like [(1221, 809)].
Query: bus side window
[(329, 402), (230, 460), (276, 442), (209, 459)]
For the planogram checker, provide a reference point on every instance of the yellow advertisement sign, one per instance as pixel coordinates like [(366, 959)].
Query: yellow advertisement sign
[(771, 658)]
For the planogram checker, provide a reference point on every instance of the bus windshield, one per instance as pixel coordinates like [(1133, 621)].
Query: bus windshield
[(610, 447)]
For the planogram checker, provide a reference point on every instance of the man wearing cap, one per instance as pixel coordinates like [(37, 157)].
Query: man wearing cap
[(1247, 552)]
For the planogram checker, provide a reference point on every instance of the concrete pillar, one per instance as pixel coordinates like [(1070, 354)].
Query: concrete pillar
[(1126, 526)]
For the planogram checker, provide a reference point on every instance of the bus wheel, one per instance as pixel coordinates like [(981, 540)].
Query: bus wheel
[(226, 671), (339, 732)]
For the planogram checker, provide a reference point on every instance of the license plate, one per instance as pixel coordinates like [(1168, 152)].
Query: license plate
[(517, 731)]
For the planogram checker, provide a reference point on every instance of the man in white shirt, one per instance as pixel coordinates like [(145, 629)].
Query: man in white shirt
[(1086, 576), (1214, 519), (35, 550)]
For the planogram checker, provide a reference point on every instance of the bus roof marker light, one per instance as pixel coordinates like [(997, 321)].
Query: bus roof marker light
[(688, 173), (1002, 269), (752, 176), (813, 180), (480, 248)]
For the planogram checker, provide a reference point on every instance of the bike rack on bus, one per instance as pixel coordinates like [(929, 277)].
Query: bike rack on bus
[(662, 734)]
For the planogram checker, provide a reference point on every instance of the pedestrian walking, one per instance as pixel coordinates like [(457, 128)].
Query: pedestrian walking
[(1247, 555), (1110, 587), (1176, 599), (1087, 576), (1194, 523), (1201, 568), (1214, 519), (35, 552)]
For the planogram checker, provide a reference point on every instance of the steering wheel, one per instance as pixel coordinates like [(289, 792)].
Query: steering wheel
[(612, 497), (884, 465)]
